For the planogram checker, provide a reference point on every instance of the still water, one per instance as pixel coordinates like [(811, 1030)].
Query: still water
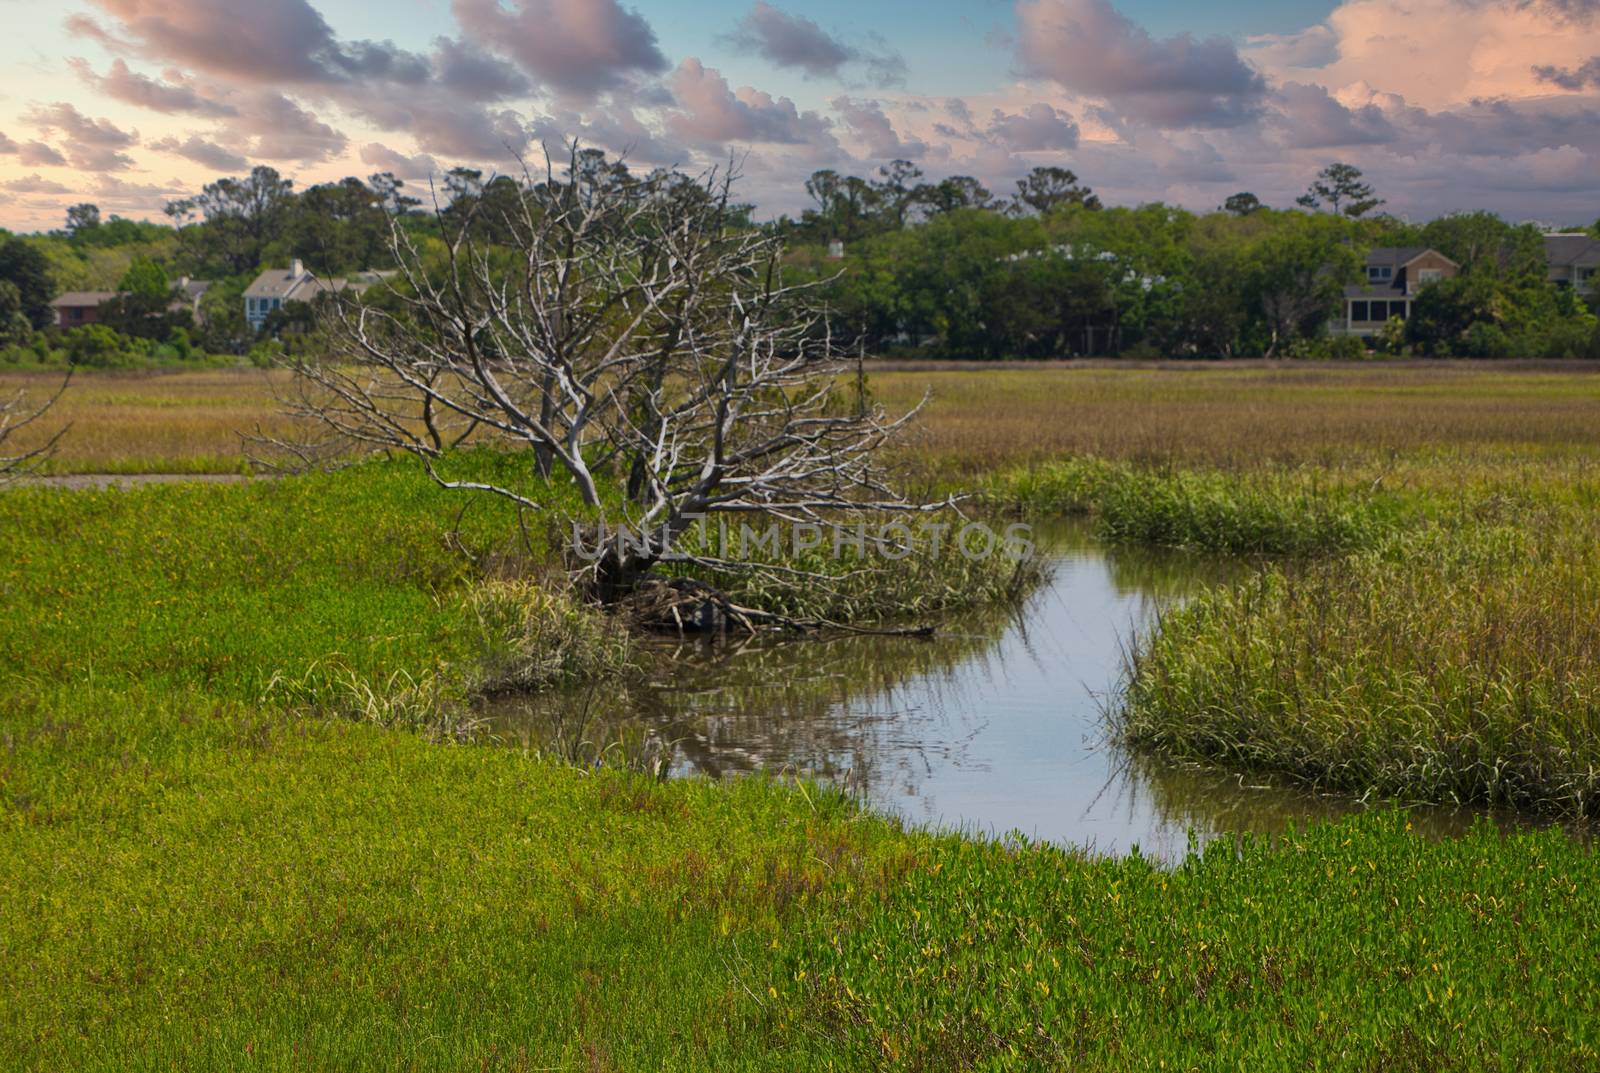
[(998, 724)]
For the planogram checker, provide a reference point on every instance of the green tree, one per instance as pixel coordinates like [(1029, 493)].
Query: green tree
[(1046, 188), (229, 223), (1242, 203), (1298, 271), (898, 190), (339, 227), (14, 326), (26, 269), (146, 280), (1342, 188), (956, 192), (82, 218)]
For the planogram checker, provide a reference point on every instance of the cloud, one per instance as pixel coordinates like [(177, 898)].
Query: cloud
[(466, 69), (1315, 46), (90, 144), (273, 127), (418, 167), (577, 47), (33, 154), (1511, 128), (1312, 119), (264, 41), (1441, 54), (34, 184), (124, 84), (867, 122), (1573, 78), (98, 133), (97, 158), (1088, 47), (1037, 127), (797, 42), (442, 124), (200, 151), (111, 192), (712, 114)]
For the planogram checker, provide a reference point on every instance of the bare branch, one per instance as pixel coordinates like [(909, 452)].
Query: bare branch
[(629, 333), (16, 415)]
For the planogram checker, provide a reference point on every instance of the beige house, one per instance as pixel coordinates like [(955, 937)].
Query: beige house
[(1394, 276), (1574, 260)]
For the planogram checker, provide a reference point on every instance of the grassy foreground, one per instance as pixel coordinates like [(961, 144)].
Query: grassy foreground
[(239, 828), (204, 868)]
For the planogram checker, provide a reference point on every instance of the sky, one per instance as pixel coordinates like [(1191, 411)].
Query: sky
[(1445, 104)]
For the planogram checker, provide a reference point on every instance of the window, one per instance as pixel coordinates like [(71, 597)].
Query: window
[(1380, 273), (1358, 310), (1426, 276)]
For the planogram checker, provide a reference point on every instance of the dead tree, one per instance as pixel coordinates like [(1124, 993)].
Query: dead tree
[(16, 415), (631, 336)]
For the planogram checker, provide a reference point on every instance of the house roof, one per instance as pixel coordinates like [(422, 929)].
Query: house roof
[(1576, 248), (1400, 256), (82, 299), (192, 288), (277, 283)]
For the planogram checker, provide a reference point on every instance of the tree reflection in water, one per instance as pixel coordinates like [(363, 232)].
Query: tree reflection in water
[(995, 724)]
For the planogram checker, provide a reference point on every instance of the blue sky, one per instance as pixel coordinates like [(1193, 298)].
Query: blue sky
[(1447, 104)]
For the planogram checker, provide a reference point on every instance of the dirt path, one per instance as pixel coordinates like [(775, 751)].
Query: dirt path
[(81, 481)]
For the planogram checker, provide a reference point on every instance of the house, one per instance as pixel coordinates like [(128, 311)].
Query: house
[(1574, 260), (187, 293), (1394, 276), (275, 286), (75, 308)]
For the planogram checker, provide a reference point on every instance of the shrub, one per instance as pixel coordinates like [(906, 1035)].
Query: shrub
[(97, 346)]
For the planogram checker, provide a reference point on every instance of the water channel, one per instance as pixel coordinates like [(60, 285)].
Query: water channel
[(997, 724)]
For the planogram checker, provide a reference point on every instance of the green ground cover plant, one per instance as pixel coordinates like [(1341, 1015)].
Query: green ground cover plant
[(245, 823)]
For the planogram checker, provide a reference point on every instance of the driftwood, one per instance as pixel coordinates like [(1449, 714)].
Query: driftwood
[(616, 329)]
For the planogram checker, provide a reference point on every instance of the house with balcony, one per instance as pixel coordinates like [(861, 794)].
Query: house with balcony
[(1394, 276), (1574, 261)]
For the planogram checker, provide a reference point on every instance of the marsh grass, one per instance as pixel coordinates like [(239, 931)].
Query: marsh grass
[(1452, 665), (1294, 512), (903, 573), (983, 418)]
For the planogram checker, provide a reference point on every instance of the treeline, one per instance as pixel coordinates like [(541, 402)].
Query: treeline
[(941, 268), (948, 269)]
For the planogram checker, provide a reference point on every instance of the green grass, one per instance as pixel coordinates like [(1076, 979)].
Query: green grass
[(1356, 946), (189, 883), (1276, 512), (236, 832), (1454, 665)]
